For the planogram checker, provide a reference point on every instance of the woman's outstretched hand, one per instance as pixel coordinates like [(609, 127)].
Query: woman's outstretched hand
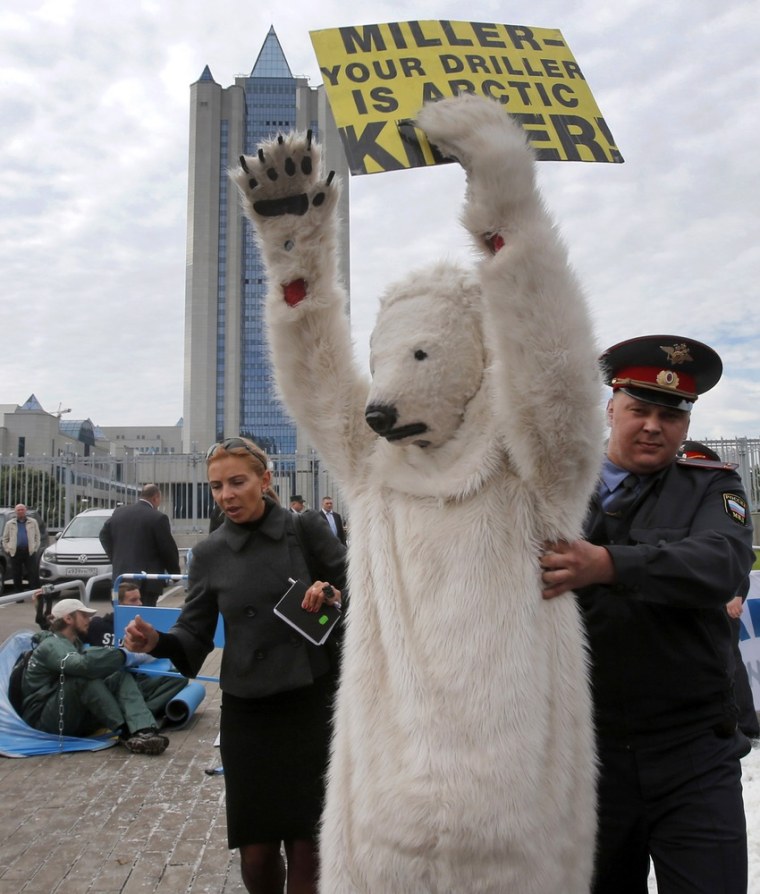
[(140, 636)]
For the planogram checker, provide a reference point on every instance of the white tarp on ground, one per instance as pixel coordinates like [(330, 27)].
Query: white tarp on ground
[(750, 635)]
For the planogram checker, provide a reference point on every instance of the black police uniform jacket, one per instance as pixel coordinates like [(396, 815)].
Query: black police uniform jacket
[(241, 572), (659, 638)]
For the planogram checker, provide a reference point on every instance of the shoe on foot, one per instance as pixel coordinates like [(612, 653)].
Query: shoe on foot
[(145, 741)]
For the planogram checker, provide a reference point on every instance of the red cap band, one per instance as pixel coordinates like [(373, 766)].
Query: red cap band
[(656, 378)]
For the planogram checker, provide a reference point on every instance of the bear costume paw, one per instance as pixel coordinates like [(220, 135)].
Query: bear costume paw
[(284, 178), (494, 152), (292, 207)]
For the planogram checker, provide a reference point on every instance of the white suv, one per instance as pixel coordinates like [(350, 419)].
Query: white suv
[(77, 553)]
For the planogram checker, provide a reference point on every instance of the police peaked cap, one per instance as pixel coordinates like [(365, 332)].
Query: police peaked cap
[(667, 370), (694, 453), (698, 450)]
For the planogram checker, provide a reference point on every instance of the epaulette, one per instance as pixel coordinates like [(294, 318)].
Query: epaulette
[(706, 463)]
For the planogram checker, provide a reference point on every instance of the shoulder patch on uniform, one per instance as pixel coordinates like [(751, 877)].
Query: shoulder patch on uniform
[(736, 508)]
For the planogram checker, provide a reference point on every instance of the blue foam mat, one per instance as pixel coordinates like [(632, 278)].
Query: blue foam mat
[(179, 710)]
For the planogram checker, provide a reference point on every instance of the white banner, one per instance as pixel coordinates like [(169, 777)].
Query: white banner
[(750, 635)]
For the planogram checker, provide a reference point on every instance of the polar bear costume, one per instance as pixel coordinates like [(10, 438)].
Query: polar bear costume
[(463, 757)]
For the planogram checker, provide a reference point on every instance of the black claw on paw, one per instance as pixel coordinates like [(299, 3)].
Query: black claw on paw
[(243, 165), (308, 140), (279, 138), (290, 167), (439, 156), (306, 165), (287, 205), (329, 178), (406, 129), (261, 156), (271, 173)]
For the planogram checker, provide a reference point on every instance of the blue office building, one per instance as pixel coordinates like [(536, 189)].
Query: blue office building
[(228, 380)]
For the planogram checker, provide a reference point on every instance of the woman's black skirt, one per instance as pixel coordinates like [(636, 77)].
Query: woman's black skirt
[(274, 752)]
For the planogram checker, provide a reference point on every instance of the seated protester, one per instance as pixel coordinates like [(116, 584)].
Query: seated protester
[(100, 632), (43, 604), (157, 690), (74, 691)]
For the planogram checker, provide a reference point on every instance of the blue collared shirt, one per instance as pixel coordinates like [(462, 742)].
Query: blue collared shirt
[(611, 478), (22, 538)]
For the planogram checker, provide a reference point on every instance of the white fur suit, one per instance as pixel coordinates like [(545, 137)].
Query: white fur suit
[(463, 757)]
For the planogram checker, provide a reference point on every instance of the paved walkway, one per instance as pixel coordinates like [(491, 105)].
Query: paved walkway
[(111, 822)]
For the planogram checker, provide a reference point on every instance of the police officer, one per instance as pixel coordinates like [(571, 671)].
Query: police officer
[(700, 454), (666, 540)]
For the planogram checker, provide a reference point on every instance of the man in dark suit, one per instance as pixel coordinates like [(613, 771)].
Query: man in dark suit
[(139, 538), (334, 521)]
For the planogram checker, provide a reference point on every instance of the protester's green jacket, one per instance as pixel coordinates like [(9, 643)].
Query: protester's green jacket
[(54, 654)]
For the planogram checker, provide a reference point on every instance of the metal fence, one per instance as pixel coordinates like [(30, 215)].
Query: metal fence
[(746, 453), (60, 487)]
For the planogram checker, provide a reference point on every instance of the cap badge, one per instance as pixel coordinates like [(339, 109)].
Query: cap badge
[(678, 354), (666, 378)]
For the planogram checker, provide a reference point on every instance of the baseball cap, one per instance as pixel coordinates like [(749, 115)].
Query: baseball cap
[(69, 606)]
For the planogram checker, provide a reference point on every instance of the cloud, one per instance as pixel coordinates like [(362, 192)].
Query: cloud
[(93, 185)]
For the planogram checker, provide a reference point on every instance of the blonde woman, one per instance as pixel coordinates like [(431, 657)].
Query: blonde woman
[(277, 688)]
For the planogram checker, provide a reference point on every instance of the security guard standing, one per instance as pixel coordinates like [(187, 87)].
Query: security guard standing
[(665, 542), (700, 454)]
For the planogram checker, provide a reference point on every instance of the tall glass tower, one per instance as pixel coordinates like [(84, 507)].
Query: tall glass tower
[(228, 380)]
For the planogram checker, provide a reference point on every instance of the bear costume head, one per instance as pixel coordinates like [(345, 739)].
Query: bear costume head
[(418, 346)]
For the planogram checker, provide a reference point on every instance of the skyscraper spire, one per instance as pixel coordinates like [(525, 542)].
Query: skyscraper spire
[(228, 376), (271, 62), (206, 75)]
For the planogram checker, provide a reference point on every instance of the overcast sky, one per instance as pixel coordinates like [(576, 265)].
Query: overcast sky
[(94, 103)]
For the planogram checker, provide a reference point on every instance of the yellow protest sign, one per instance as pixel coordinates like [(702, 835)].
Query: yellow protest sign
[(377, 78)]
